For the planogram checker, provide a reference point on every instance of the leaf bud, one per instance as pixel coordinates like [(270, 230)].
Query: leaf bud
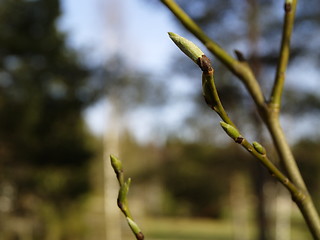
[(134, 227), (116, 164), (231, 131), (259, 148), (186, 46)]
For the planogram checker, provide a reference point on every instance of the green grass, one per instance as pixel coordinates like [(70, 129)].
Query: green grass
[(202, 229), (187, 229)]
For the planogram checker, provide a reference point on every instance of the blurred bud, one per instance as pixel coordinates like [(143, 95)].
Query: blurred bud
[(123, 192), (117, 167), (116, 164), (231, 131), (186, 46), (259, 148)]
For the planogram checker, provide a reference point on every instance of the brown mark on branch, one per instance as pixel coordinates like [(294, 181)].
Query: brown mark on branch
[(140, 236), (120, 204), (287, 7), (205, 64), (240, 56), (239, 140)]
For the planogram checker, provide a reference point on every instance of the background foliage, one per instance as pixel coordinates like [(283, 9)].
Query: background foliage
[(45, 151)]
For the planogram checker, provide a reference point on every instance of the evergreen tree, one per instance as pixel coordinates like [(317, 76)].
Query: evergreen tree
[(44, 153)]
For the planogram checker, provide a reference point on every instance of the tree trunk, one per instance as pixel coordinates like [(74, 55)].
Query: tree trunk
[(239, 207), (112, 213)]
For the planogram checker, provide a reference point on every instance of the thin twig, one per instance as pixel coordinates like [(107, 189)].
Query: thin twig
[(122, 200), (307, 206), (274, 104), (299, 192), (240, 68), (212, 98), (290, 9)]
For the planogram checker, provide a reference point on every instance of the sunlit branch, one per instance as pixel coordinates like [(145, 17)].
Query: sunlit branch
[(240, 68)]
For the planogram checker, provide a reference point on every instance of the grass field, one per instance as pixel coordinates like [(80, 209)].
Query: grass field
[(178, 229), (202, 229)]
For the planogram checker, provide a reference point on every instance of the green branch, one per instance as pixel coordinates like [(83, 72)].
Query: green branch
[(275, 98), (122, 200), (212, 98), (297, 189), (239, 67), (259, 152), (197, 31), (306, 207), (272, 121)]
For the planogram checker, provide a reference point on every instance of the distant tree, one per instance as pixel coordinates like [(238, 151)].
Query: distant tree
[(197, 176), (44, 151)]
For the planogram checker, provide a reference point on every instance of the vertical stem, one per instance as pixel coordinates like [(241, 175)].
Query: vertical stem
[(290, 9), (311, 216), (111, 141), (285, 152), (306, 205)]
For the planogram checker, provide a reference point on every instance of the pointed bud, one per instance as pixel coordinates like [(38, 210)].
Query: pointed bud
[(259, 148), (117, 167), (134, 227), (231, 131), (116, 163), (186, 46)]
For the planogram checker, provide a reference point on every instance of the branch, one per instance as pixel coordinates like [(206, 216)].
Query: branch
[(122, 197), (259, 152), (290, 9), (295, 184), (240, 68), (307, 207), (272, 120), (212, 98)]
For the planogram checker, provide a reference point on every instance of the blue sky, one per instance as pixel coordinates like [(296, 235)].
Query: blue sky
[(130, 27), (136, 30)]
